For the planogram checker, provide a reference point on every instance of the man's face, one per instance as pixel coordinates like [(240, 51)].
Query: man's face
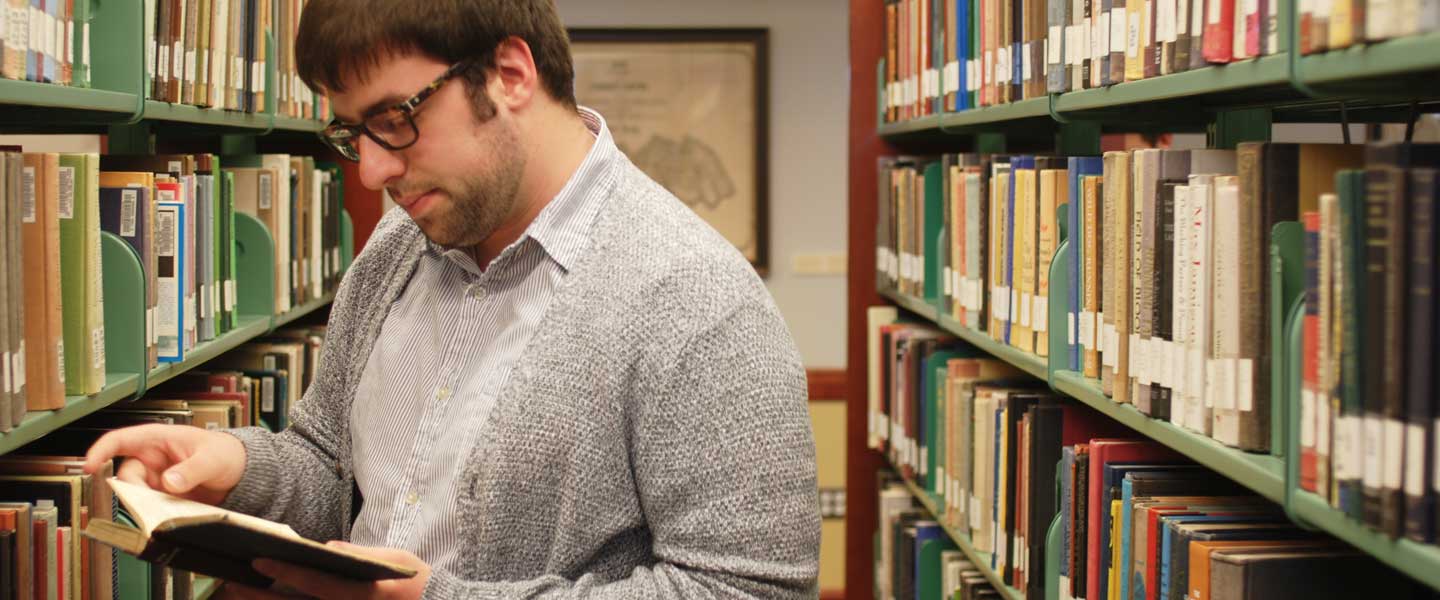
[(460, 179)]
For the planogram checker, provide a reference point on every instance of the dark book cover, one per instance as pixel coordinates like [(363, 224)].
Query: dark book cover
[(7, 565), (1349, 446), (1381, 334), (1162, 317), (1118, 11), (1424, 198), (1016, 405), (1082, 524)]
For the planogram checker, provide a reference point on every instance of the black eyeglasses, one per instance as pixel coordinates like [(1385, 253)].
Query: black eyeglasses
[(393, 128)]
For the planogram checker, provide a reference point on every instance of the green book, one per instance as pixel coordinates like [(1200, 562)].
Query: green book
[(1350, 185), (934, 229), (80, 274)]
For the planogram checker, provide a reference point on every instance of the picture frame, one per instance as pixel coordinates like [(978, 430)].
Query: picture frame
[(690, 107)]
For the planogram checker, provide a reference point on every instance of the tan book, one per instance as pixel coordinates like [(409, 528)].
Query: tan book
[(13, 65), (256, 195), (1347, 17), (1054, 190), (44, 330), (1090, 329), (1022, 335), (1222, 387), (1119, 308), (1001, 299), (12, 175), (202, 52)]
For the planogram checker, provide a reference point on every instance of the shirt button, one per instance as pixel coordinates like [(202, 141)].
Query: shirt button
[(443, 394), (412, 498), (476, 291)]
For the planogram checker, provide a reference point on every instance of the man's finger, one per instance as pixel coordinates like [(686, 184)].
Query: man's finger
[(191, 472), (121, 442)]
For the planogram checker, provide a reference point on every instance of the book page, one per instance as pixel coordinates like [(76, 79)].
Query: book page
[(152, 509)]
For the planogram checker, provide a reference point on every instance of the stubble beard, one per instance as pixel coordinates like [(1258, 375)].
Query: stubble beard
[(481, 203)]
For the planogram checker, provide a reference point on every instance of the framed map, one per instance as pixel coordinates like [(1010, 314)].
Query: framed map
[(689, 107)]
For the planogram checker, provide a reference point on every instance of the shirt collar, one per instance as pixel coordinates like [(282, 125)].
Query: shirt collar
[(562, 229)]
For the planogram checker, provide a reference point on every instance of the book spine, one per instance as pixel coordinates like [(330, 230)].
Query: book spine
[(1377, 248), (1310, 380), (1419, 510)]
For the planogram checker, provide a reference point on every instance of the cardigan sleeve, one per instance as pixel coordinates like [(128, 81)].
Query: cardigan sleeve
[(724, 463)]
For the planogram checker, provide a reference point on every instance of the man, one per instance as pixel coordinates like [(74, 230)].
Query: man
[(544, 376)]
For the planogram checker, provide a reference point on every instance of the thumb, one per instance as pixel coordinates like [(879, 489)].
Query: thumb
[(189, 473)]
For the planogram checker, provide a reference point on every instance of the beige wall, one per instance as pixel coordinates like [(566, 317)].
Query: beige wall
[(808, 111)]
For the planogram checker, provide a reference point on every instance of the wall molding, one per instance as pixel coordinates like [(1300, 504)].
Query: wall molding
[(827, 385)]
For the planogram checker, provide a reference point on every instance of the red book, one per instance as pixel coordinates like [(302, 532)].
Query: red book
[(1219, 36), (62, 560), (42, 555), (1310, 391), (1102, 452)]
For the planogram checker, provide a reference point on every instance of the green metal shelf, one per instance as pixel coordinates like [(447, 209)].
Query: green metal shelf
[(980, 559), (118, 386), (1373, 73), (973, 119), (1421, 561), (302, 310), (294, 124), (1025, 361), (184, 113), (49, 95), (1263, 473), (1412, 54), (248, 328)]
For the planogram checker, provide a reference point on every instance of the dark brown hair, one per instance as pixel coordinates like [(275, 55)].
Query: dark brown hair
[(341, 40)]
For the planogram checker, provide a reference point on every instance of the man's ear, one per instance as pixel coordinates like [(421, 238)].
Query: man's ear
[(515, 72)]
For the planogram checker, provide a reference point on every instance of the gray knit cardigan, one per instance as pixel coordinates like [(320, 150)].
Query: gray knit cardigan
[(652, 442)]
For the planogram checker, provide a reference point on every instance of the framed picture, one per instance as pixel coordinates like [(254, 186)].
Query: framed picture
[(689, 107)]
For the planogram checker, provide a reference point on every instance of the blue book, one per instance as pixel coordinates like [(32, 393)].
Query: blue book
[(962, 51), (1067, 493), (1114, 474), (1168, 536), (925, 532), (170, 278)]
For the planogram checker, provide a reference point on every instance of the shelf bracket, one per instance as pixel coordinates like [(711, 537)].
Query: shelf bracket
[(1243, 125), (1078, 138), (990, 143), (132, 138)]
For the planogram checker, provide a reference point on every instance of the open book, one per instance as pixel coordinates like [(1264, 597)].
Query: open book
[(220, 543)]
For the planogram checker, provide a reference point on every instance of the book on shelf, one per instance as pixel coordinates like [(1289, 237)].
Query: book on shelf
[(220, 543)]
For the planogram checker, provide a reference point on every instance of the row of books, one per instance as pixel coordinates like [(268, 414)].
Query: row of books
[(45, 41), (213, 53), (905, 566), (177, 213), (1171, 310), (1002, 457), (46, 501), (1368, 392), (981, 437), (952, 55)]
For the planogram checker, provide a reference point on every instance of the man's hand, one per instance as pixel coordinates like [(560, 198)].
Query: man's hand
[(299, 581), (188, 462)]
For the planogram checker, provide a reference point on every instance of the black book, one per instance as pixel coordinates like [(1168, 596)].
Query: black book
[(7, 565), (1082, 524), (1160, 395), (1420, 355), (1016, 405)]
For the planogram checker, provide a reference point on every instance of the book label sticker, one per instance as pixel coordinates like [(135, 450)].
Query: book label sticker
[(1245, 384), (267, 394), (1040, 321), (1117, 22), (1053, 45), (60, 361), (27, 195), (1087, 330), (97, 348), (1374, 429), (1394, 457), (67, 192), (1343, 455), (1414, 460), (5, 367), (20, 368), (129, 198), (266, 191), (1307, 419)]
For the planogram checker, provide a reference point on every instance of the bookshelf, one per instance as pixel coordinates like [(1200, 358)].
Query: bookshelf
[(117, 104), (1385, 81), (977, 557)]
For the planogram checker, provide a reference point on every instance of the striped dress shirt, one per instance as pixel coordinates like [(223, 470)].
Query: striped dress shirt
[(446, 347)]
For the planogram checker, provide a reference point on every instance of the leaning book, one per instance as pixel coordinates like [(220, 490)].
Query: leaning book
[(220, 543)]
